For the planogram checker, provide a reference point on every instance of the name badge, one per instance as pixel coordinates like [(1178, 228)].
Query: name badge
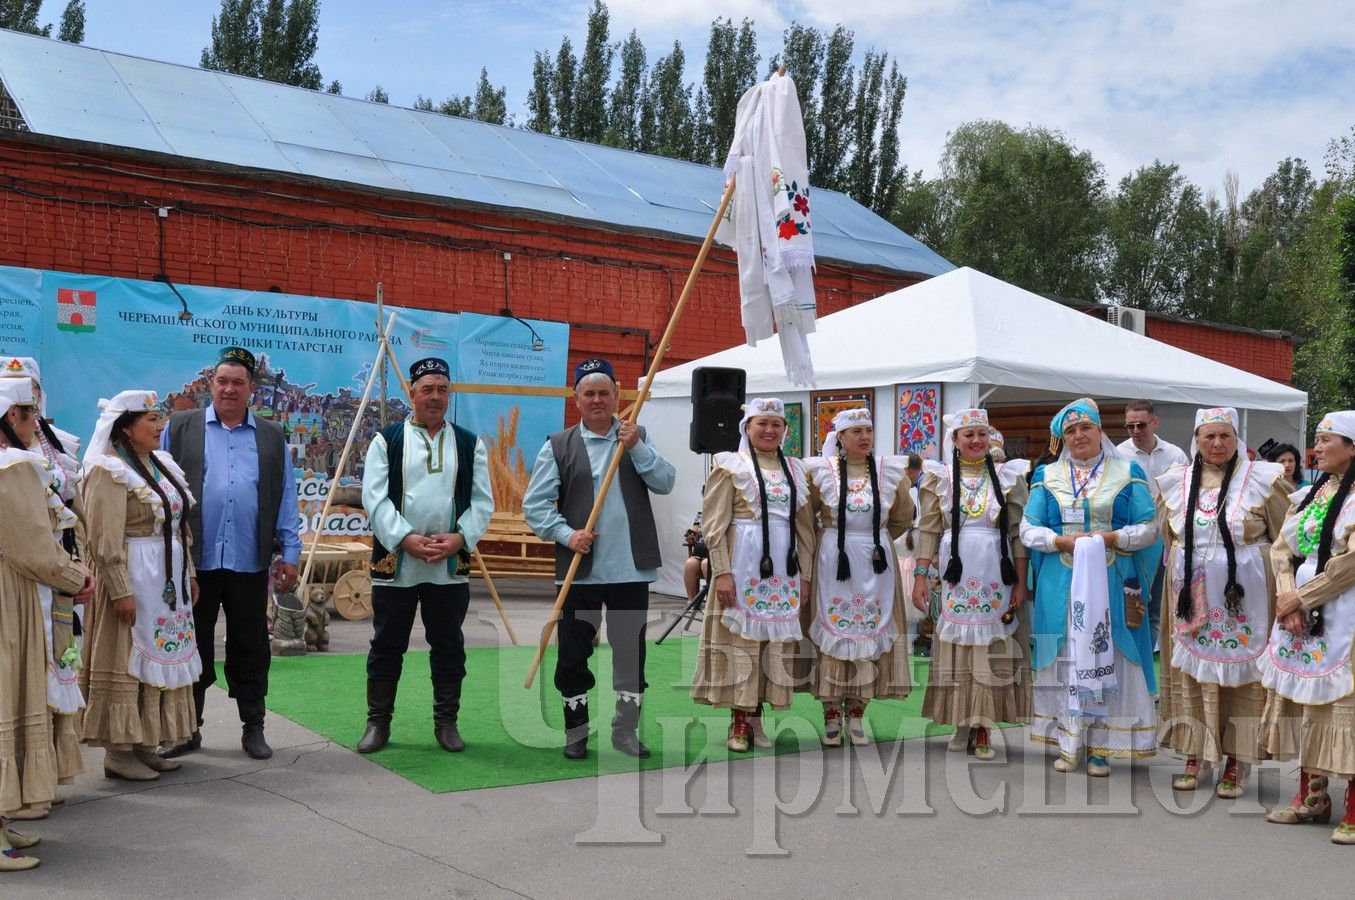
[(1072, 515)]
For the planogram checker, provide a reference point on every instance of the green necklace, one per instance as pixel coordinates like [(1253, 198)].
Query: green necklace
[(1309, 532)]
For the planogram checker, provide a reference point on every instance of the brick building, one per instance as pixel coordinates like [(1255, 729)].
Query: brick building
[(113, 165)]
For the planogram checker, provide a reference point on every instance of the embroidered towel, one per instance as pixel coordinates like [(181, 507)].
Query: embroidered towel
[(1092, 650)]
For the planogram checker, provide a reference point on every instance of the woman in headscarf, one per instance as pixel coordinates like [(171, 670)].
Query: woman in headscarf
[(1089, 525), (1310, 700), (141, 651), (1220, 513), (61, 471), (858, 616), (970, 528), (28, 564), (760, 532)]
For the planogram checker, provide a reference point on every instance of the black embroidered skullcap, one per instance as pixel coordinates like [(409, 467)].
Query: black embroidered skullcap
[(238, 356), (429, 366)]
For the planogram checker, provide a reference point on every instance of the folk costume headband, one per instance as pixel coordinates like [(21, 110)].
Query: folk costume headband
[(25, 367), (1218, 415), (127, 401), (759, 406), (965, 418), (848, 418), (1341, 422), (15, 392)]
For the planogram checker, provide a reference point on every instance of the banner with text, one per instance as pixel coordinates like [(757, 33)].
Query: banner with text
[(94, 336)]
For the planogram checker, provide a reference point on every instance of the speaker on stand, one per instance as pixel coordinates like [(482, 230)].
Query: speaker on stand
[(717, 408)]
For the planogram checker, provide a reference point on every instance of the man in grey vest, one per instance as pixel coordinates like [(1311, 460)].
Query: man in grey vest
[(620, 556), (238, 468)]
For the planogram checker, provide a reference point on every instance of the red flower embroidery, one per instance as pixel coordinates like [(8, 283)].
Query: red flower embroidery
[(801, 204), (787, 230)]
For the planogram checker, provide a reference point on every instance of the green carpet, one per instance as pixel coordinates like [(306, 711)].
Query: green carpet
[(513, 736)]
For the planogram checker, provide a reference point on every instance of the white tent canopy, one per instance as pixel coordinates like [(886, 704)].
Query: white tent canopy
[(986, 342)]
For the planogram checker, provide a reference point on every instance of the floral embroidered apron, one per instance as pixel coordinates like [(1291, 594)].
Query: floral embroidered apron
[(767, 609)]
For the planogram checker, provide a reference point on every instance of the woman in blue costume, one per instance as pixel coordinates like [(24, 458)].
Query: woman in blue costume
[(1089, 525)]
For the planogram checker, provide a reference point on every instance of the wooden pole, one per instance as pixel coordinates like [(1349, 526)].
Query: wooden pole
[(343, 461), (480, 560), (633, 416)]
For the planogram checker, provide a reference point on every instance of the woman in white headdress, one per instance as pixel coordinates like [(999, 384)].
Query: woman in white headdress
[(1220, 515), (29, 565), (862, 503), (759, 529), (1307, 666), (970, 527), (1089, 525), (141, 650), (58, 450)]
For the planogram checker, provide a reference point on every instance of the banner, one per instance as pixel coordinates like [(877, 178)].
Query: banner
[(94, 336)]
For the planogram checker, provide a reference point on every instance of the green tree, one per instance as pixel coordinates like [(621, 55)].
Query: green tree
[(540, 98), (862, 173), (377, 95), (335, 87), (289, 33), (833, 133), (1027, 207), (22, 15), (565, 73), (732, 64), (889, 180), (595, 71), (72, 27), (623, 113), (1274, 218), (491, 104), (666, 116), (235, 39), (1156, 227)]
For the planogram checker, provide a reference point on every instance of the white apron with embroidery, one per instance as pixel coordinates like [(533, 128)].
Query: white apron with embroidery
[(1222, 649), (1313, 669), (972, 611), (854, 619), (767, 609), (164, 644), (63, 663)]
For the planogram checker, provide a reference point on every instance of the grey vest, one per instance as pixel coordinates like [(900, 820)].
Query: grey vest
[(187, 444), (576, 502)]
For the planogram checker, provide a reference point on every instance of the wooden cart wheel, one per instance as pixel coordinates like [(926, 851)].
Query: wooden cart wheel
[(353, 595)]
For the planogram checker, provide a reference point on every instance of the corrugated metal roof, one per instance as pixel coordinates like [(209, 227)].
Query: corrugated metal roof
[(81, 93)]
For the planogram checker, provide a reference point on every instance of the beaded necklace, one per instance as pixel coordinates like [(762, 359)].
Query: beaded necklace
[(974, 494), (1311, 520)]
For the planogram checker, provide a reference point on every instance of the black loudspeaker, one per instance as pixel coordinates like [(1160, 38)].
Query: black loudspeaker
[(717, 408)]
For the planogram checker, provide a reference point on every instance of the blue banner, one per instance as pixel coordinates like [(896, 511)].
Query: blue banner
[(94, 336)]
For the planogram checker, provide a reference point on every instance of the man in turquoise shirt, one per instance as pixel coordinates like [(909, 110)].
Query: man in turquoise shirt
[(620, 555)]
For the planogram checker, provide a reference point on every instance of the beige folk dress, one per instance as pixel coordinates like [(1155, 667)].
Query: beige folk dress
[(1210, 696), (1310, 687), (138, 679), (859, 626), (28, 766), (980, 665), (747, 659)]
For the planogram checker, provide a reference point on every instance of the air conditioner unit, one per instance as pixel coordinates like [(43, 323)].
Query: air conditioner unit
[(1126, 317)]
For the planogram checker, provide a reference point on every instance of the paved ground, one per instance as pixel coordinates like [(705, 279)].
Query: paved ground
[(890, 820)]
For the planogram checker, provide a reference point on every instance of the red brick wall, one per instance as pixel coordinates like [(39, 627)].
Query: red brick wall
[(96, 214), (1264, 355)]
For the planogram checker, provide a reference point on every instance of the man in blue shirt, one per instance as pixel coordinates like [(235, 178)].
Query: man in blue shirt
[(620, 555), (238, 468)]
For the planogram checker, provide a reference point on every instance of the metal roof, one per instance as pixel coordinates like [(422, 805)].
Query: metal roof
[(83, 94)]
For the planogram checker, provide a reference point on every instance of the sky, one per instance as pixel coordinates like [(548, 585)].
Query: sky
[(1213, 85)]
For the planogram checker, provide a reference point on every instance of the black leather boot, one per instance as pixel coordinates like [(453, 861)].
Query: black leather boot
[(251, 736), (194, 741), (380, 706), (576, 727), (446, 704), (624, 724)]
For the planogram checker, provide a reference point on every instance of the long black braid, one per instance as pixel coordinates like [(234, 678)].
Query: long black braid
[(1232, 590), (1183, 599), (1008, 567), (878, 560), (1338, 500), (955, 568), (792, 558), (125, 447), (48, 433)]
